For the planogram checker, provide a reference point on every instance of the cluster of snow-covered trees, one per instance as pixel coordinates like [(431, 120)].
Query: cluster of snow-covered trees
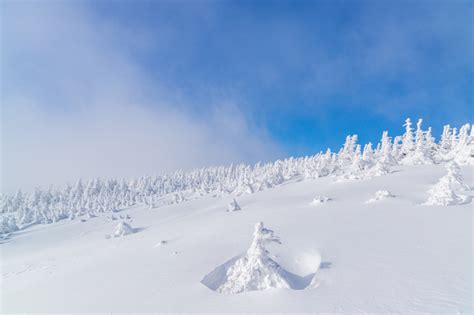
[(90, 198)]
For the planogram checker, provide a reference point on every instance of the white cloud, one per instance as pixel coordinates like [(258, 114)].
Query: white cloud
[(75, 104)]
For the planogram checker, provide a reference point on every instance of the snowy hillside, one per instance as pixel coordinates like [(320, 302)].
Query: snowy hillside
[(361, 230), (393, 255)]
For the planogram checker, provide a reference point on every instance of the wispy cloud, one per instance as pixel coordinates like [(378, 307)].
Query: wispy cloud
[(200, 83), (75, 104)]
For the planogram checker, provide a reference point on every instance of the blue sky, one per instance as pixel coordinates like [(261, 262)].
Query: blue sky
[(303, 67), (159, 85)]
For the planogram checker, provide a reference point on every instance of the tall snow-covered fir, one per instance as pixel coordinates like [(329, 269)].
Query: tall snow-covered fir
[(89, 198)]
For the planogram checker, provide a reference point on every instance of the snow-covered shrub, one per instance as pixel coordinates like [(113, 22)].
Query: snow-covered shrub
[(455, 178), (319, 200), (256, 270), (442, 194), (449, 188), (233, 206), (178, 198), (123, 229), (379, 169), (381, 195)]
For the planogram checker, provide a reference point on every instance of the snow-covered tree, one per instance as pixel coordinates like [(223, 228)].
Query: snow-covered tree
[(445, 142), (354, 170), (256, 270), (122, 229), (368, 153), (421, 154), (380, 195), (379, 169), (446, 191), (441, 194), (233, 206), (408, 144), (396, 148), (455, 178), (431, 147), (386, 156), (463, 150)]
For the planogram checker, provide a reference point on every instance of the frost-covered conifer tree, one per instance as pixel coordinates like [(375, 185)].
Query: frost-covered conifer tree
[(122, 229), (396, 148), (233, 206), (354, 170), (386, 156), (455, 178), (445, 192), (255, 270), (463, 150), (420, 155), (408, 140), (368, 153), (445, 142), (431, 147)]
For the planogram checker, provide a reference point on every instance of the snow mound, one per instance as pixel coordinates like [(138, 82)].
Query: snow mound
[(123, 229), (255, 270), (320, 199), (233, 206), (381, 195)]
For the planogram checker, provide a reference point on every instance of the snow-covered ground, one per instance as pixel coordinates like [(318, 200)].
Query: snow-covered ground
[(392, 255)]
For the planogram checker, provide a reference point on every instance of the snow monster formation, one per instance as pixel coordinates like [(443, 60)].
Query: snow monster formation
[(255, 270), (450, 189), (122, 229)]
